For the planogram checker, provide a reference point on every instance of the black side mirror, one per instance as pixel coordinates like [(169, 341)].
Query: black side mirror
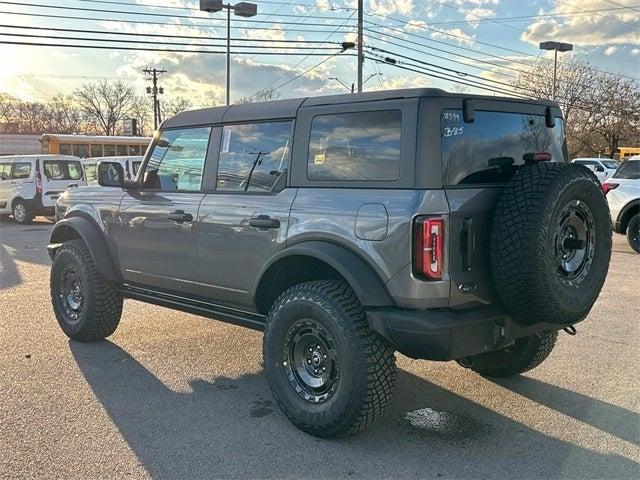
[(599, 168), (110, 174)]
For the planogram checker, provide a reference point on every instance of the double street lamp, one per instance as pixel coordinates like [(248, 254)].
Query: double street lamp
[(556, 47), (241, 9)]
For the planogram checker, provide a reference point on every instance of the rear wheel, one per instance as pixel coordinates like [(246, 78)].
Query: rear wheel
[(633, 232), (329, 372), (88, 307), (525, 354), (21, 213)]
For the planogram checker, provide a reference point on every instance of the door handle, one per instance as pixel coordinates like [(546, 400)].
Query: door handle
[(264, 221), (179, 216)]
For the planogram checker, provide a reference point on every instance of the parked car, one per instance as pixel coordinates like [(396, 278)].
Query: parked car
[(623, 195), (31, 184), (130, 167), (603, 168), (348, 227)]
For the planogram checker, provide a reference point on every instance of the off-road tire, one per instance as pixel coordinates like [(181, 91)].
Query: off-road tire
[(525, 256), (101, 307), (633, 232), (21, 213), (366, 363), (524, 355)]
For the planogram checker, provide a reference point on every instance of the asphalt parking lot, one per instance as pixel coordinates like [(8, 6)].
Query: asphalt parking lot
[(172, 395)]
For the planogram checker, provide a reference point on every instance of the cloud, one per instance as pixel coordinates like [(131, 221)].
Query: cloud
[(613, 27), (389, 7), (456, 34), (635, 52), (611, 50)]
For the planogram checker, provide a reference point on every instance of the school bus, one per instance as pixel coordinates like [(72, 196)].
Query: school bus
[(621, 153), (85, 146)]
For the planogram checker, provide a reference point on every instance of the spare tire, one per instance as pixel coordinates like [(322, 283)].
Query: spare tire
[(550, 243)]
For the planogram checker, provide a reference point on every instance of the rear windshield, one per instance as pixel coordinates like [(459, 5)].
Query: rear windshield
[(62, 170), (488, 150), (629, 170)]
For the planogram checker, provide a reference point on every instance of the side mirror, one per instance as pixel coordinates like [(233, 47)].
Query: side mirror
[(110, 174), (599, 168)]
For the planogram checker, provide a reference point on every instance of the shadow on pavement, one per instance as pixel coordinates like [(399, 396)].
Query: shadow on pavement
[(9, 274), (26, 243), (232, 428), (617, 421)]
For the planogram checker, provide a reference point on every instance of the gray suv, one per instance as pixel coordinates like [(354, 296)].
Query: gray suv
[(442, 226)]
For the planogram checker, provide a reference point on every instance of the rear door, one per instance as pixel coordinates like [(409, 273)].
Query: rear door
[(158, 219), (244, 222), (479, 159)]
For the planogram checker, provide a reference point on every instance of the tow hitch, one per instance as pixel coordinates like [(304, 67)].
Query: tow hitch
[(571, 330)]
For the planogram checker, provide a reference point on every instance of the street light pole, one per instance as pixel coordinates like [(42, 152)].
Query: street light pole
[(242, 9), (360, 36), (556, 47)]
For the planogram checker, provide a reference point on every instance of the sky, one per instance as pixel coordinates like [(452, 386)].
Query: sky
[(477, 42)]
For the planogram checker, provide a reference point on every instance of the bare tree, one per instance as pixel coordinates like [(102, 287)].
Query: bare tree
[(174, 106), (107, 104), (261, 96), (64, 115), (7, 112)]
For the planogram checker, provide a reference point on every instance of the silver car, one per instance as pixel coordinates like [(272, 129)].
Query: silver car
[(623, 194)]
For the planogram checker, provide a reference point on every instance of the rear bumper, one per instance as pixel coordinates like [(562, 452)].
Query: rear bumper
[(446, 334)]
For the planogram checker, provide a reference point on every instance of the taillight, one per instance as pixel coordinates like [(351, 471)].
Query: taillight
[(608, 186), (38, 179), (428, 248)]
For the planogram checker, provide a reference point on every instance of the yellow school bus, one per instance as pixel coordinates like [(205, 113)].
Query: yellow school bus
[(85, 146), (622, 153)]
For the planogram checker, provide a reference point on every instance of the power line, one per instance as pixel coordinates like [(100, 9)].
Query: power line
[(631, 7), (146, 49), (151, 14), (143, 22), (156, 42), (599, 14), (195, 37), (306, 71)]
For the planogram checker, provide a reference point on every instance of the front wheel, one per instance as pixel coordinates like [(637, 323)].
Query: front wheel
[(633, 233), (88, 307), (525, 354), (329, 372), (22, 214)]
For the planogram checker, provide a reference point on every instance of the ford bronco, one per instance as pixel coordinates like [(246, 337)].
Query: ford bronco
[(348, 227)]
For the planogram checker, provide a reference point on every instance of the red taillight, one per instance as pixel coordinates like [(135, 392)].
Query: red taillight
[(608, 186), (428, 247), (38, 179)]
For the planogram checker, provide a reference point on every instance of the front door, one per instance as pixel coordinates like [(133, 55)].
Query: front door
[(158, 219), (244, 223)]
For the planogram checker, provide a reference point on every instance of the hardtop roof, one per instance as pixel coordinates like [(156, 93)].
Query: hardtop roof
[(288, 108)]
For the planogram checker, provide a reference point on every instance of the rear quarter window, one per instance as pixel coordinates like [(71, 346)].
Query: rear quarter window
[(359, 146), (489, 150)]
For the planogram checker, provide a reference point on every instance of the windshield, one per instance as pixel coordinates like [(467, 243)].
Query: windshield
[(610, 164), (62, 170), (629, 170)]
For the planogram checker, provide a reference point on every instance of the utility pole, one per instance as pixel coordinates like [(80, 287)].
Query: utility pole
[(360, 51), (154, 92)]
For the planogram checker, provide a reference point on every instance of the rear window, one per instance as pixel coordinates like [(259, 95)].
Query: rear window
[(629, 170), (361, 146), (488, 150), (90, 172), (62, 170)]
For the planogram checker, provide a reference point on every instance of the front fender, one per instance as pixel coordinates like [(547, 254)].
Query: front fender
[(93, 238), (365, 283)]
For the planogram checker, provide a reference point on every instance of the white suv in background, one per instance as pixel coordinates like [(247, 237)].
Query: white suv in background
[(129, 164), (31, 184), (623, 195), (603, 168)]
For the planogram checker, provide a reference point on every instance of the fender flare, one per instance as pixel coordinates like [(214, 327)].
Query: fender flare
[(622, 216), (362, 278), (92, 237)]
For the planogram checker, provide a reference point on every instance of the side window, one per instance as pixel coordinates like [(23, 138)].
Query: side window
[(96, 150), (253, 156), (80, 150), (65, 149), (109, 150), (121, 150), (177, 160), (5, 171), (491, 149), (90, 172), (21, 170), (355, 146)]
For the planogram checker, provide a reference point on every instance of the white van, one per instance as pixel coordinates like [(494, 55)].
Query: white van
[(129, 164), (603, 168), (31, 184)]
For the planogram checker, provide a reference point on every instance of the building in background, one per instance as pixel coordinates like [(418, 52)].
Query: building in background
[(15, 144)]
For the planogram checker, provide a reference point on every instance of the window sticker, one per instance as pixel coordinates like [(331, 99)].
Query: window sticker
[(226, 140)]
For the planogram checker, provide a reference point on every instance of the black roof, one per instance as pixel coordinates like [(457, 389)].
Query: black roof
[(288, 108)]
